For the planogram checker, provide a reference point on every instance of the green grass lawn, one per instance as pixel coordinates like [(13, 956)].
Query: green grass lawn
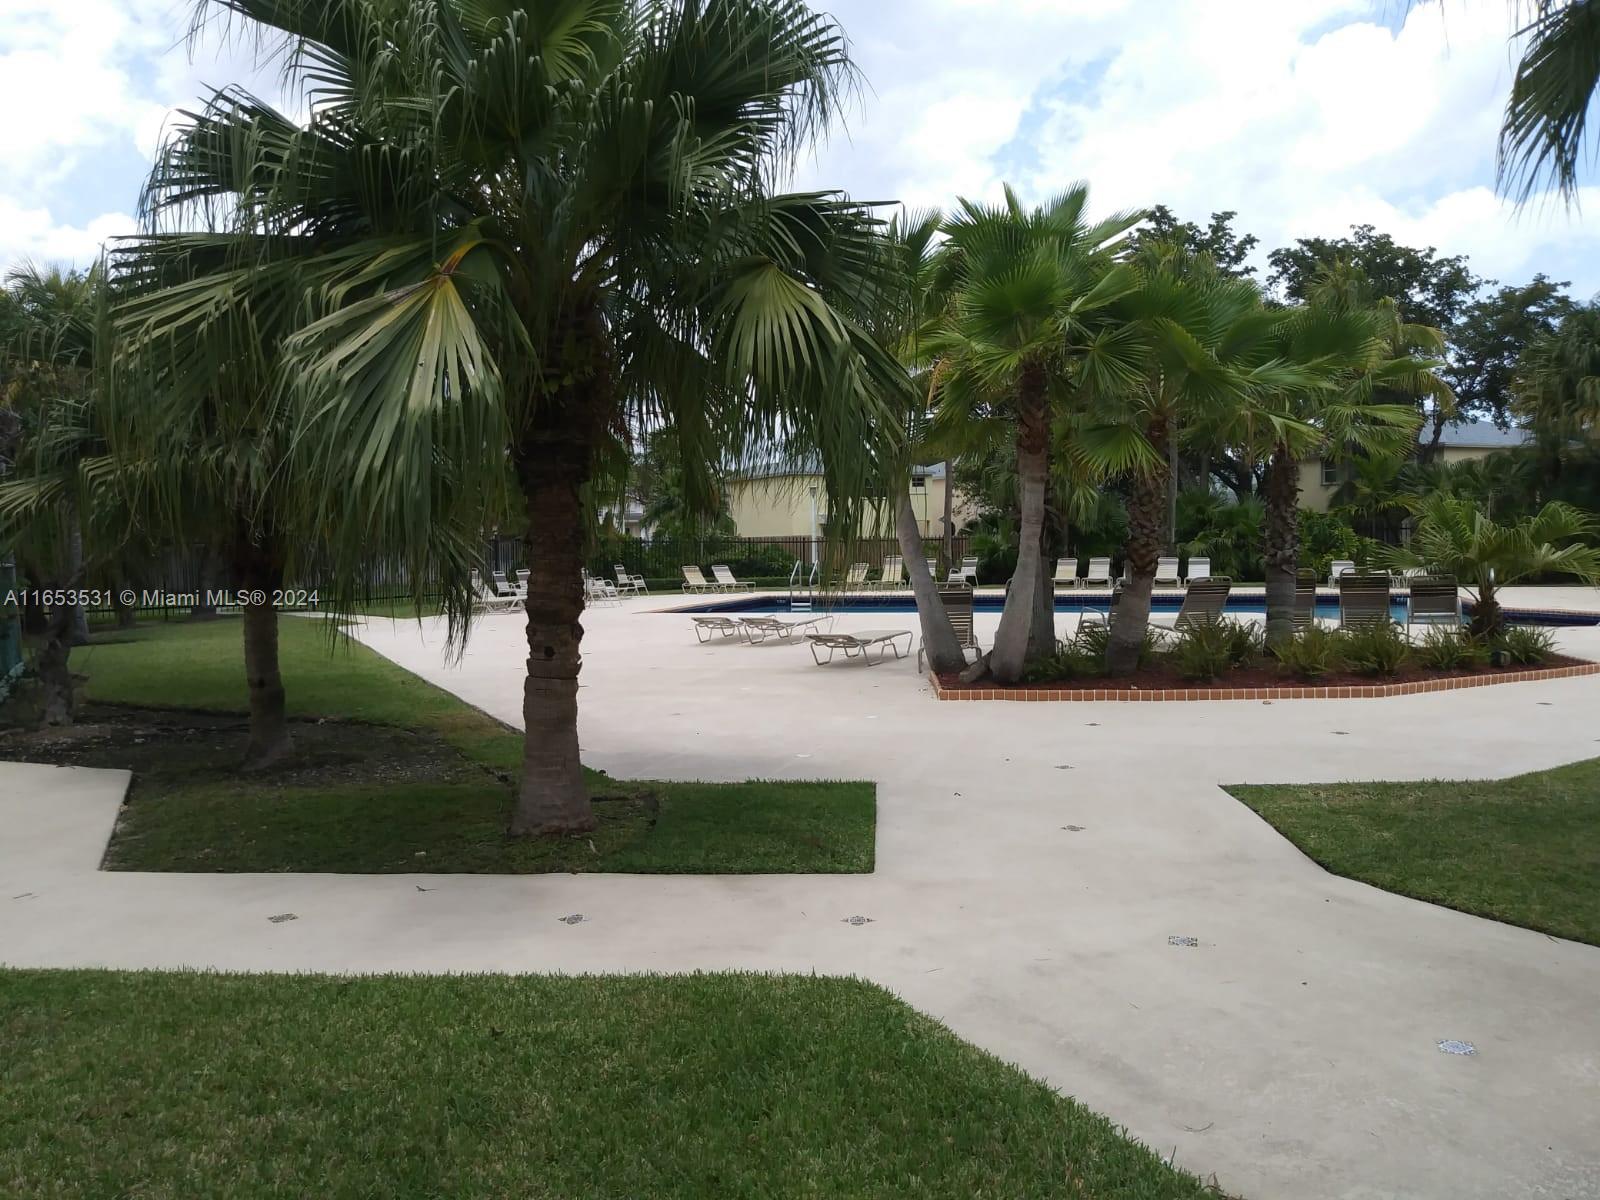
[(177, 1085), (1523, 850), (393, 774)]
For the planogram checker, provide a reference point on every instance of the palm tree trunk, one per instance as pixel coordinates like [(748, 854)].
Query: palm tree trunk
[(79, 632), (1487, 618), (259, 569), (1146, 536), (1042, 630), (553, 464), (938, 638), (1281, 544), (55, 678), (1172, 497), (1033, 464)]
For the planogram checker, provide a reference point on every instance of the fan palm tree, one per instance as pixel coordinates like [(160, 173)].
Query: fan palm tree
[(1558, 379), (1455, 537), (518, 230), (1029, 294), (1197, 359), (1361, 355)]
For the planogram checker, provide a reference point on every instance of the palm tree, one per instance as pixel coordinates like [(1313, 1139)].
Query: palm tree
[(1029, 293), (518, 230), (1558, 379), (1357, 354), (1545, 126), (1455, 537), (1195, 360)]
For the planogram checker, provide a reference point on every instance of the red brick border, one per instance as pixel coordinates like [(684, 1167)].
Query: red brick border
[(1287, 692)]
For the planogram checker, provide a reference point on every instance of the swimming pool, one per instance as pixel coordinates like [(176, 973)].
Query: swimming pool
[(891, 602)]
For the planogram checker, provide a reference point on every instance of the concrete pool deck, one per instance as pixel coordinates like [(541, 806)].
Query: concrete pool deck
[(1033, 862)]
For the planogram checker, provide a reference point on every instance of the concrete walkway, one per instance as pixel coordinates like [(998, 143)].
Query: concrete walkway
[(1293, 1052)]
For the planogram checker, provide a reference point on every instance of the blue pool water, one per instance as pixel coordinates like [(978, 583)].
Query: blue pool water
[(1327, 607)]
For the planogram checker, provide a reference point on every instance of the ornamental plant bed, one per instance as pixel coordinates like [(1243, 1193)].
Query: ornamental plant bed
[(1264, 675)]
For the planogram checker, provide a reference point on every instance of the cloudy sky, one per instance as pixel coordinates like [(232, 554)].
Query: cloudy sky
[(1305, 116)]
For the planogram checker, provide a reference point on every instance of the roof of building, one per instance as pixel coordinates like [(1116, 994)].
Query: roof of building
[(1476, 435)]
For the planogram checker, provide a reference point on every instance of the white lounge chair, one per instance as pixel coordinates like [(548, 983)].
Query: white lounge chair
[(1066, 572), (693, 581), (856, 576), (858, 644), (759, 629), (633, 584), (1337, 568), (1204, 603), (894, 572), (967, 572), (706, 628), (508, 585), (487, 599), (1199, 568), (1099, 572), (599, 591), (933, 569), (1167, 570), (726, 581)]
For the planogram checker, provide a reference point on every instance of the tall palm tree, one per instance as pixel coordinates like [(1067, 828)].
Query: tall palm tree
[(1029, 292), (1196, 361), (1358, 355), (1558, 379), (518, 230)]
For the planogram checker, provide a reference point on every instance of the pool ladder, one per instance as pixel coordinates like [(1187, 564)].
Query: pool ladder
[(802, 587)]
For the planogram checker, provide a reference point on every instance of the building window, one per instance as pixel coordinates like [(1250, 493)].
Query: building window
[(918, 482), (1330, 473)]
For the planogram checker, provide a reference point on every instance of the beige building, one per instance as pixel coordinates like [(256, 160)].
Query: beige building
[(1460, 442), (793, 504)]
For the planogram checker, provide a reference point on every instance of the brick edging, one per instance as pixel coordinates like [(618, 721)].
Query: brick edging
[(1286, 692)]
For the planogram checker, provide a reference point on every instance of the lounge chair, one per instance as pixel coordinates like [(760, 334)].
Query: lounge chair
[(727, 582), (1401, 579), (1167, 571), (1204, 602), (933, 569), (1199, 568), (706, 628), (599, 591), (1066, 572), (957, 600), (1099, 572), (1363, 598), (759, 629), (1337, 568), (633, 584), (855, 645), (507, 585), (894, 571), (1104, 616), (1435, 600), (1305, 598), (967, 572), (856, 576), (693, 581), (487, 599)]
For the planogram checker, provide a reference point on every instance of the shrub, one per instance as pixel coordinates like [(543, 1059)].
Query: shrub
[(1070, 660), (1092, 639), (1246, 641), (1312, 653), (1325, 537), (1201, 651), (1527, 645), (1379, 649), (1445, 649)]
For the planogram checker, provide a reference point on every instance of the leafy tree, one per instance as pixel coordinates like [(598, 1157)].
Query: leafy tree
[(1030, 296), (1216, 240), (1455, 537), (1428, 289), (1545, 128), (1225, 530), (1489, 340), (521, 229)]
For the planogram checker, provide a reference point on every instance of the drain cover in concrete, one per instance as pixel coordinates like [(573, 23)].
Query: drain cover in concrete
[(1176, 940), (1451, 1046), (1073, 828), (857, 920), (282, 917), (571, 919)]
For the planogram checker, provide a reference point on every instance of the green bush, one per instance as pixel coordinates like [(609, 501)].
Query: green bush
[(1206, 651), (1527, 645), (1451, 649), (1070, 660), (1379, 649), (1247, 641), (1325, 537), (1093, 639), (1311, 653)]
